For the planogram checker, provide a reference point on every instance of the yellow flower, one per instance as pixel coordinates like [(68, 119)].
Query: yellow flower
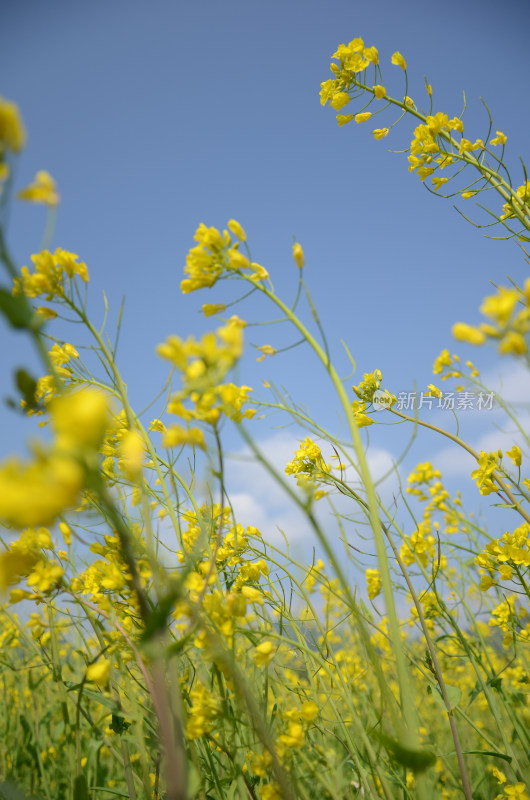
[(501, 138), (80, 418), (45, 576), (467, 333), (500, 306), (340, 100), (363, 117), (467, 195), (439, 182), (343, 119), (131, 452), (267, 350), (373, 582), (42, 190), (298, 255), (263, 654), (99, 672), (515, 455), (12, 132), (209, 309), (379, 92), (176, 435), (14, 564), (309, 710), (66, 532), (380, 133), (434, 391), (294, 737), (399, 61), (237, 230), (513, 343)]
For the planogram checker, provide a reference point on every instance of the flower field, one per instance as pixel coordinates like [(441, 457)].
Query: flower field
[(153, 646)]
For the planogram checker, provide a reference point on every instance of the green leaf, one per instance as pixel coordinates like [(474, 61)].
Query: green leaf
[(158, 617), (27, 386), (495, 683), (488, 753), (118, 724), (194, 781), (416, 760), (80, 788), (8, 791), (16, 310), (108, 702)]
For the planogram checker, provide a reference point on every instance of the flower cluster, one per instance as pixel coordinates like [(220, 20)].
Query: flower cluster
[(508, 315), (203, 365), (56, 475), (49, 276), (215, 255), (42, 190)]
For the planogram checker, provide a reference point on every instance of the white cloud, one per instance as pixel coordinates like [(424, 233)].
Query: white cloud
[(260, 500)]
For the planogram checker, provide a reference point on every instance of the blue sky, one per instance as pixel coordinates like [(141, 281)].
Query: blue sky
[(154, 117)]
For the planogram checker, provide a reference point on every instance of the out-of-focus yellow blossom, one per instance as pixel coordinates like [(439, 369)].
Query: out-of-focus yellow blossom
[(209, 309), (298, 255), (468, 195), (12, 131), (132, 454), (295, 736), (13, 564), (237, 230), (264, 653), (515, 455), (373, 583), (513, 343), (380, 133), (363, 117), (35, 493), (176, 435), (309, 710), (399, 61), (99, 672), (45, 576), (266, 350), (43, 189), (80, 418), (514, 791), (467, 333), (500, 307), (270, 791), (157, 425), (343, 119), (379, 92)]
